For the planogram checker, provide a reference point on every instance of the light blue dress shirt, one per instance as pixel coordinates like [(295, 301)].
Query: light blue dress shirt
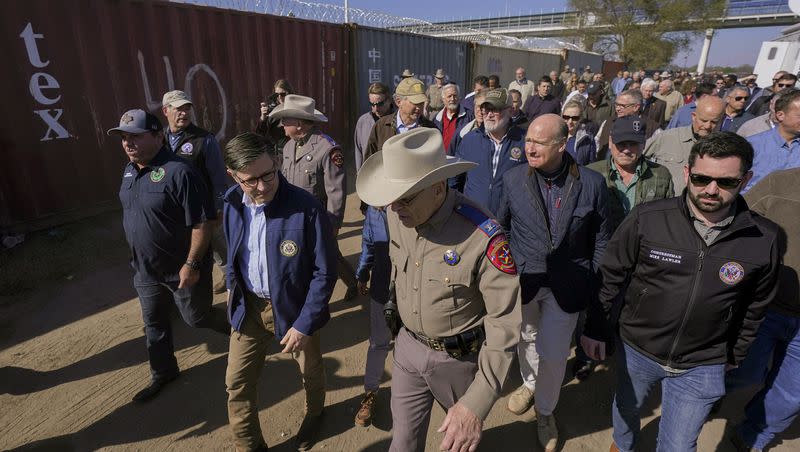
[(772, 153), (252, 259)]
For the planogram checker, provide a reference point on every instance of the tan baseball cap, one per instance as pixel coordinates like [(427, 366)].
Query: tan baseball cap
[(175, 99), (413, 89), (497, 97)]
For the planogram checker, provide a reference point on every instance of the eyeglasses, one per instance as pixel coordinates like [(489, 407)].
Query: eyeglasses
[(488, 109), (785, 85), (267, 177), (281, 93), (741, 98), (573, 118), (408, 200), (623, 106), (378, 104), (701, 180)]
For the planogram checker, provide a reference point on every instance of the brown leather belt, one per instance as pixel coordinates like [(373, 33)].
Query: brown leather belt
[(456, 346)]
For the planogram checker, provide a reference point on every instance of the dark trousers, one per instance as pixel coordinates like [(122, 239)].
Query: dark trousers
[(194, 305)]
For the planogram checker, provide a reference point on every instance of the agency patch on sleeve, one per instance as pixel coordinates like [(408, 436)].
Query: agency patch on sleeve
[(337, 158), (499, 254)]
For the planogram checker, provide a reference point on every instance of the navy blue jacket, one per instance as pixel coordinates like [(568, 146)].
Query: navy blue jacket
[(478, 183), (567, 258), (375, 254), (300, 285)]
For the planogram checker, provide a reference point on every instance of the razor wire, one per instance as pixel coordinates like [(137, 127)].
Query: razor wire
[(326, 12)]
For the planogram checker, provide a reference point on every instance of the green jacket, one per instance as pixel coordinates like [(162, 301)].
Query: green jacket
[(654, 183)]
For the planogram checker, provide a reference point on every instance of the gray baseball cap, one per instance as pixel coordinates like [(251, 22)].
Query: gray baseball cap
[(136, 122)]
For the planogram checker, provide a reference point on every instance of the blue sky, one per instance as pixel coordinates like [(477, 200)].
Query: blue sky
[(730, 47)]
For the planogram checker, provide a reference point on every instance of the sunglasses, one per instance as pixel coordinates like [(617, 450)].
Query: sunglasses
[(741, 98), (785, 85), (621, 106), (574, 118), (281, 94), (378, 104), (701, 180)]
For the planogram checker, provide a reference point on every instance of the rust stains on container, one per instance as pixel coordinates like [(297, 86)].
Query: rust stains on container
[(72, 69)]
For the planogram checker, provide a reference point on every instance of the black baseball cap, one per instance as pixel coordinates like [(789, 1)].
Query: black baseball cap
[(594, 88), (629, 128)]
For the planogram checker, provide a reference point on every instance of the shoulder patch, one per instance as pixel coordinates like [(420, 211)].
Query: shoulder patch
[(329, 139), (487, 225), (499, 254), (337, 157)]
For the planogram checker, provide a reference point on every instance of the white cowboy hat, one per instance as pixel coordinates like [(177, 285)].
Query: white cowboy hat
[(298, 107), (408, 163)]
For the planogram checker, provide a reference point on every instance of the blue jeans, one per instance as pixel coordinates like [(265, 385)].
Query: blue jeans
[(777, 404), (194, 305), (687, 398)]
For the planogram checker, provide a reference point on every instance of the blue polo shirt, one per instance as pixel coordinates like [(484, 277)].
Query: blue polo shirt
[(160, 204), (772, 153)]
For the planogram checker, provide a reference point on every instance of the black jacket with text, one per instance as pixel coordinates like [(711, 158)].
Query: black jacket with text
[(682, 303)]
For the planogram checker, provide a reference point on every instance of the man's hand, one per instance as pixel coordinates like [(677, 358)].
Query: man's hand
[(593, 348), (462, 430), (294, 341), (362, 288), (264, 111), (188, 277), (730, 367)]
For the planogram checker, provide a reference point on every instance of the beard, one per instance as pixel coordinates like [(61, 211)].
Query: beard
[(452, 107), (718, 204), (499, 124)]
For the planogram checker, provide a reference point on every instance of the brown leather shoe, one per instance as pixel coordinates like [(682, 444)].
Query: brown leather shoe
[(613, 448), (364, 415)]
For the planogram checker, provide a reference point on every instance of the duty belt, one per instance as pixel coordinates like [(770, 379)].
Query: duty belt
[(456, 346)]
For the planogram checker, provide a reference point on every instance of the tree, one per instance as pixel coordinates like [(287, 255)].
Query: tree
[(644, 33)]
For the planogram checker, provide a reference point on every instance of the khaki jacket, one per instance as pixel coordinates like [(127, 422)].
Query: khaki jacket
[(670, 148), (317, 166), (674, 101), (440, 299)]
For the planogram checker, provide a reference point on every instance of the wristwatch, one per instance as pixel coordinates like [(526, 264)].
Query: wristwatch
[(194, 265)]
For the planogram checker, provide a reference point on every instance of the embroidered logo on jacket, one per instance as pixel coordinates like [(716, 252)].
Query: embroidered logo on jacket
[(731, 273)]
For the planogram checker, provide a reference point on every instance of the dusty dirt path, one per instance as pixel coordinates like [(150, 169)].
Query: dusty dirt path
[(72, 354)]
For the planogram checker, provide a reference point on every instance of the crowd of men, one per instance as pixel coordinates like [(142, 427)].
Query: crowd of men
[(652, 218)]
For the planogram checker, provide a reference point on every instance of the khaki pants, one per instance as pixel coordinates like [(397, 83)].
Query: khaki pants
[(420, 376), (246, 355)]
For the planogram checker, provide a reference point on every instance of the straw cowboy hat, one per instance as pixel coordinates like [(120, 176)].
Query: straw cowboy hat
[(298, 107), (408, 163)]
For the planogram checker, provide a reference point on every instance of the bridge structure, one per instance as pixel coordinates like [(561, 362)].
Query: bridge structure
[(737, 14)]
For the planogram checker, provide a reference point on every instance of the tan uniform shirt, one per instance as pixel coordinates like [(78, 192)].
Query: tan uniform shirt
[(670, 149), (317, 166), (446, 284), (434, 94)]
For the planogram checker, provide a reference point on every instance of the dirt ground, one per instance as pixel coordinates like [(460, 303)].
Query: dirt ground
[(72, 354)]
